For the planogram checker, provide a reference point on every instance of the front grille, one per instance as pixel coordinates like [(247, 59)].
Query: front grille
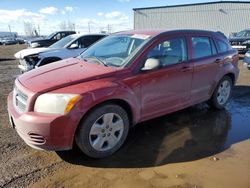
[(19, 100)]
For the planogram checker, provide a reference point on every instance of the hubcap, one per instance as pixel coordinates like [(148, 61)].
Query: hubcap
[(223, 92), (106, 132)]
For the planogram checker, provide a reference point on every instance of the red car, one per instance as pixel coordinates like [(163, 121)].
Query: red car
[(124, 79)]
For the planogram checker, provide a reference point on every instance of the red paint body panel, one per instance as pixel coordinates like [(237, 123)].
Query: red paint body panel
[(149, 94)]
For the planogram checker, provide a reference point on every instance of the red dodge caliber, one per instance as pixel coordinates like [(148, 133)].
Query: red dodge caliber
[(124, 79)]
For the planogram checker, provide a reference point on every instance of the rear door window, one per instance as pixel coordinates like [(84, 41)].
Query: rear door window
[(202, 47)]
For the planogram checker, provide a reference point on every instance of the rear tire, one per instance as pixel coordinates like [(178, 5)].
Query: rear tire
[(103, 131), (222, 93)]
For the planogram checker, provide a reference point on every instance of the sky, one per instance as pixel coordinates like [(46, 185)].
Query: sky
[(87, 15)]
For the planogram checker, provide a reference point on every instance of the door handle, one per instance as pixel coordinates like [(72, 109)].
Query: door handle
[(186, 69), (219, 62)]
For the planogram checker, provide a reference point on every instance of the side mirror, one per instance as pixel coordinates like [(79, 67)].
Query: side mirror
[(151, 64), (73, 46)]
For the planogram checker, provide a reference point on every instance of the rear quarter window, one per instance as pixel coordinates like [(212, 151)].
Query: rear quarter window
[(222, 46)]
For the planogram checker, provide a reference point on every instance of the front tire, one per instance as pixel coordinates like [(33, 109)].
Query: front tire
[(222, 93), (103, 131)]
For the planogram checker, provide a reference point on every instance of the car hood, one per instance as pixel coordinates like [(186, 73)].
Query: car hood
[(238, 39), (53, 52), (30, 51), (63, 73)]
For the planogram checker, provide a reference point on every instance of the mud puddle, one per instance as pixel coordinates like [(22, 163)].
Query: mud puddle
[(187, 135), (195, 147)]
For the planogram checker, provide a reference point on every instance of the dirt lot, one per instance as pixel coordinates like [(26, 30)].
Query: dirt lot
[(195, 147)]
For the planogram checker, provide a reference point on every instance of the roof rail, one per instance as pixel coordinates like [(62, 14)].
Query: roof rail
[(221, 34)]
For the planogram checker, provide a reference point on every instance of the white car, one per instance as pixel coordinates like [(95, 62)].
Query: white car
[(70, 46)]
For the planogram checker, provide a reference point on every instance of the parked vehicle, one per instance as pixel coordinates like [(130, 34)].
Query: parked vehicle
[(20, 41), (247, 60), (70, 46), (241, 41), (50, 39), (123, 79), (8, 41)]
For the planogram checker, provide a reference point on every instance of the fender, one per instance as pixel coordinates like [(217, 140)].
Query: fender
[(97, 92), (228, 69)]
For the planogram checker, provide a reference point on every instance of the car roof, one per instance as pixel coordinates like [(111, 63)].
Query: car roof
[(66, 31), (92, 34), (160, 32)]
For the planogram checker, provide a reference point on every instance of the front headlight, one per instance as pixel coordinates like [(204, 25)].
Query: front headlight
[(33, 59), (35, 44), (56, 103), (246, 42)]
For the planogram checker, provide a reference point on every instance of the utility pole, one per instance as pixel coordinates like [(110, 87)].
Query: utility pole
[(9, 29), (89, 26), (109, 28), (38, 28)]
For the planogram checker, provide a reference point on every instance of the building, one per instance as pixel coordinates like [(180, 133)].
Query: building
[(224, 16)]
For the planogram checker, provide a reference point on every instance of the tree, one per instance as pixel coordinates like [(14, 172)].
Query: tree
[(29, 29), (67, 25)]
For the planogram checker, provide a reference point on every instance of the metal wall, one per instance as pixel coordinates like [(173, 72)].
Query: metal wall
[(227, 17)]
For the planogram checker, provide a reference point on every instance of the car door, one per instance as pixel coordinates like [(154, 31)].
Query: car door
[(206, 65), (166, 89)]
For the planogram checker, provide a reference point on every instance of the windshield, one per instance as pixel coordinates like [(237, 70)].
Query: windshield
[(114, 50), (244, 33), (63, 42)]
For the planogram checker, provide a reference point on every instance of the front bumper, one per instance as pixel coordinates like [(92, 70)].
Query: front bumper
[(43, 131), (247, 60), (24, 69)]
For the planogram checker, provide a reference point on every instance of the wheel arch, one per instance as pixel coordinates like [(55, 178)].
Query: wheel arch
[(120, 102), (232, 76)]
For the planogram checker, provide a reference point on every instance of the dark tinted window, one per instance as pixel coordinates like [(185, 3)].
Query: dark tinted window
[(57, 36), (169, 52), (63, 35), (202, 47), (223, 46), (87, 41)]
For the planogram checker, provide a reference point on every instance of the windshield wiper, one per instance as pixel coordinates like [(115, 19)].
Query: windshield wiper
[(97, 58)]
